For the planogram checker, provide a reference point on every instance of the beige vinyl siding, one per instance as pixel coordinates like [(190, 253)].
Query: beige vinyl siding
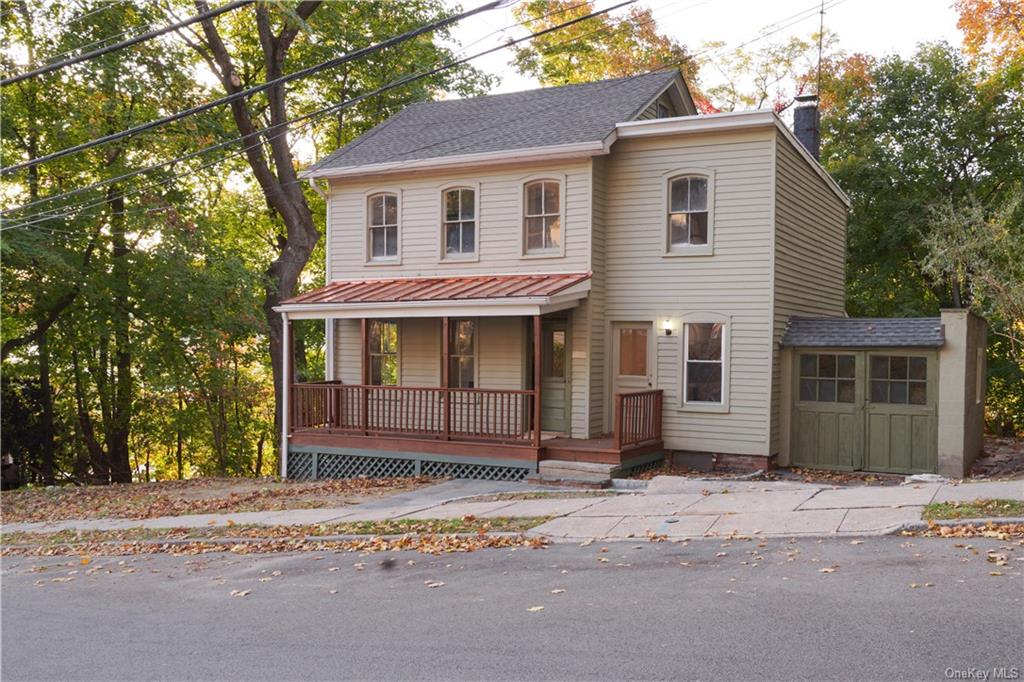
[(809, 254), (597, 300), (652, 111), (643, 284), (499, 352), (499, 228)]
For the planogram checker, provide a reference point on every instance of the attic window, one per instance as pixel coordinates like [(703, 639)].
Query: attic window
[(663, 111)]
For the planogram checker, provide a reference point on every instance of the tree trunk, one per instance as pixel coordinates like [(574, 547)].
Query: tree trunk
[(46, 426), (121, 412), (98, 461)]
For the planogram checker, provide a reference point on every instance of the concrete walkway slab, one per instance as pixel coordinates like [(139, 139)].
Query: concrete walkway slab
[(457, 510), (878, 519), (779, 523), (672, 526), (873, 496), (664, 485), (640, 505), (578, 527), (549, 507), (738, 503), (967, 492)]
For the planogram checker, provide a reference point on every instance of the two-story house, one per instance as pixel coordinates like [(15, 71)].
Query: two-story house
[(591, 277)]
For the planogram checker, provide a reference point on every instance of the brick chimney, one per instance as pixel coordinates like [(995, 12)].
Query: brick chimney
[(807, 123)]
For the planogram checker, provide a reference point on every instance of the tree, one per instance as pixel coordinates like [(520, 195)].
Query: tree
[(992, 28), (598, 48)]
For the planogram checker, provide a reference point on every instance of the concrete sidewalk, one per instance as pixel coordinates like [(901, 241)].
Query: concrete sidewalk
[(673, 506)]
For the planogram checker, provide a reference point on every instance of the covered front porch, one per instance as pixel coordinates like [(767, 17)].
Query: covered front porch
[(462, 376)]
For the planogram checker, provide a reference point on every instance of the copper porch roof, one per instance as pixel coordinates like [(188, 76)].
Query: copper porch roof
[(458, 288)]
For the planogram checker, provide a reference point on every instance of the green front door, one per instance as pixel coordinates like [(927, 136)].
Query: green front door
[(874, 411), (555, 390)]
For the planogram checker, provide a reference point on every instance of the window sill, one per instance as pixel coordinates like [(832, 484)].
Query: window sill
[(447, 260), (684, 251), (706, 408), (536, 255), (384, 261)]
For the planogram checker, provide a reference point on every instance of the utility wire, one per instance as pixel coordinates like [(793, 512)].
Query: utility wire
[(134, 173), (287, 78), (55, 66), (263, 133)]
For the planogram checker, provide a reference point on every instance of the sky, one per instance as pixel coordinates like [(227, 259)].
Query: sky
[(875, 27)]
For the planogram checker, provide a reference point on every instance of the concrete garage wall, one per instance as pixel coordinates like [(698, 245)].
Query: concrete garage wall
[(961, 391)]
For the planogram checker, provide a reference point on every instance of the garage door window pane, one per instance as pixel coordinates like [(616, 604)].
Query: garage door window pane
[(846, 366), (827, 391), (808, 389), (808, 365), (846, 391), (899, 380)]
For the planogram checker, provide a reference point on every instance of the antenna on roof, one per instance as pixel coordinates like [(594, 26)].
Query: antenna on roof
[(821, 33)]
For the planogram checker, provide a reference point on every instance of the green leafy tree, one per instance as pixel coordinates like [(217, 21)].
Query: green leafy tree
[(598, 48)]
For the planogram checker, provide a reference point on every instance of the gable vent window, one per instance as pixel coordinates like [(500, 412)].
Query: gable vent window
[(459, 223), (382, 219), (688, 212), (543, 216)]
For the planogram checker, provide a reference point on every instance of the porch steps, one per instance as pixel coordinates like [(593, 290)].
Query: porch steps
[(576, 474)]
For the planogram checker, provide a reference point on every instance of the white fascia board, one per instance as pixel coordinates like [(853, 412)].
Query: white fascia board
[(494, 307), (728, 121), (549, 153)]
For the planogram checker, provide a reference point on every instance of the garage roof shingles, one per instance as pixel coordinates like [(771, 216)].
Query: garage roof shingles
[(586, 112), (864, 332)]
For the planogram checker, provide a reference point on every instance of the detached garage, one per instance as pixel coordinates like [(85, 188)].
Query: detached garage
[(893, 395)]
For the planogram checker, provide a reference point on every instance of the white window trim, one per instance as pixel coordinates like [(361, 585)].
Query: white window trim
[(689, 250), (561, 179), (705, 318), (367, 251), (443, 256)]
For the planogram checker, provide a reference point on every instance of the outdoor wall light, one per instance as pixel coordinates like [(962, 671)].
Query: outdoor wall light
[(667, 327)]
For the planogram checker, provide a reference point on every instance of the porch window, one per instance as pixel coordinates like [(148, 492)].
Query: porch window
[(687, 212), (704, 366), (459, 223), (542, 216), (383, 352), (382, 223), (827, 378), (462, 350), (899, 379)]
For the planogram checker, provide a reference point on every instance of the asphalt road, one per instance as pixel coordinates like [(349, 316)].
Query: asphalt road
[(640, 615)]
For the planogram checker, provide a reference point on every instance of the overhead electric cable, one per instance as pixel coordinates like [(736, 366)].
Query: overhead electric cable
[(287, 78), (261, 135), (49, 68)]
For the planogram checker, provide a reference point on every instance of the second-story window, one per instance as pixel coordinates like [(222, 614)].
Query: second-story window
[(459, 223), (382, 223), (688, 212), (542, 216)]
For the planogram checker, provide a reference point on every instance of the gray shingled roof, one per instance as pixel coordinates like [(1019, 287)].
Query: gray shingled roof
[(864, 332), (569, 114)]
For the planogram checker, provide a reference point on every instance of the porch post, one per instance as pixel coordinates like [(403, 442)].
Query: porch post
[(365, 376), (445, 378), (536, 381), (290, 349), (285, 388)]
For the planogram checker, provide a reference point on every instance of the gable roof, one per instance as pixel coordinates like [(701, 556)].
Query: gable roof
[(864, 332), (546, 117)]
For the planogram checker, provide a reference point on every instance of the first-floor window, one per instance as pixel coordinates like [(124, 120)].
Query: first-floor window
[(383, 352), (704, 366), (462, 354), (382, 222)]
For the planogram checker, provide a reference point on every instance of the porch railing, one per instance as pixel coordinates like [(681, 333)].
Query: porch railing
[(637, 418), (441, 413)]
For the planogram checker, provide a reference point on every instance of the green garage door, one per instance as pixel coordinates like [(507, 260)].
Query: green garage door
[(865, 410)]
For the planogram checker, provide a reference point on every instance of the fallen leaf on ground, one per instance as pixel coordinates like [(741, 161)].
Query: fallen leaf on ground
[(558, 591), (828, 569), (535, 608), (433, 583), (240, 593)]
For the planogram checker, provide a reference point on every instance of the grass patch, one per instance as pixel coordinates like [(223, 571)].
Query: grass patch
[(978, 509), (393, 527)]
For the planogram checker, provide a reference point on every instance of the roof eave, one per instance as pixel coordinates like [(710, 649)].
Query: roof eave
[(526, 155)]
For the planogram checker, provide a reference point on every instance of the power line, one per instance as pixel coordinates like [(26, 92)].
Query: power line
[(263, 133), (287, 78), (185, 157), (49, 68)]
